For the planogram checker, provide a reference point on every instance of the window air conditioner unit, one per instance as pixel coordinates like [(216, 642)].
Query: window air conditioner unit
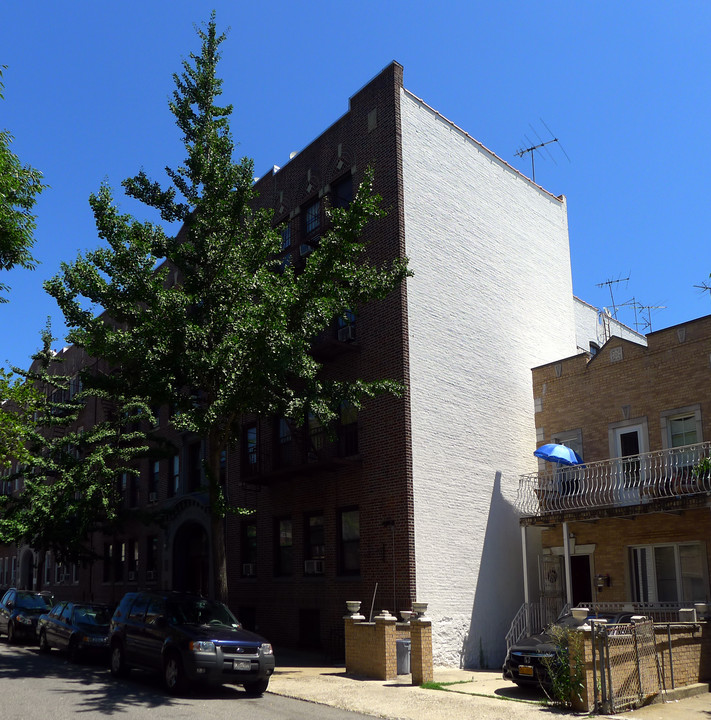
[(305, 249), (131, 575), (152, 497), (346, 334), (150, 575), (249, 569), (313, 567)]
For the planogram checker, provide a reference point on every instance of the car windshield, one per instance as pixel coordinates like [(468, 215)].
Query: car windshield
[(195, 611), (84, 615), (29, 601)]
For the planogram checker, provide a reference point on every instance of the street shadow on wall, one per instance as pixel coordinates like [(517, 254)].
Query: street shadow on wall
[(499, 588)]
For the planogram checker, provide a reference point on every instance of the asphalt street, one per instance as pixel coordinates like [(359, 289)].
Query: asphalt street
[(37, 687)]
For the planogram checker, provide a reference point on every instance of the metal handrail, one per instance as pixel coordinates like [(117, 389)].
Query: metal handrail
[(533, 617), (617, 482)]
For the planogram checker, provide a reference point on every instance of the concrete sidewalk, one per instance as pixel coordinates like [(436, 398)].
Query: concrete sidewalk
[(480, 694)]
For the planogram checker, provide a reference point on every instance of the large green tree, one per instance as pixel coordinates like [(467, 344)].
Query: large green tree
[(233, 336), (70, 476), (19, 187)]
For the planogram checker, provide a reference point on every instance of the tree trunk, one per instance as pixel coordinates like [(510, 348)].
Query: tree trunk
[(217, 520)]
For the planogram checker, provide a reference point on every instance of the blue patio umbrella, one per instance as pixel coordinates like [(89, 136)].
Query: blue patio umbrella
[(560, 454)]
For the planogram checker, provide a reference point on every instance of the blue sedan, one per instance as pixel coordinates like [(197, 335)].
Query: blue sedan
[(76, 628)]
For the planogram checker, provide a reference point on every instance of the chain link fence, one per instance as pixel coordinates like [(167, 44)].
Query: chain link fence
[(625, 667)]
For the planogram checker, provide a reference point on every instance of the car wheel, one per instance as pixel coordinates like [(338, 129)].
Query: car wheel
[(44, 644), (73, 650), (256, 688), (11, 634), (173, 673), (118, 664)]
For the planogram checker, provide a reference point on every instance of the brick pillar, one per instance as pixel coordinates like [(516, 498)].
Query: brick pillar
[(421, 650), (353, 644), (386, 650)]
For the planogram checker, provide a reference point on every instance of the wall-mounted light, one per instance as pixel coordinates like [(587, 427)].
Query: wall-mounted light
[(602, 581)]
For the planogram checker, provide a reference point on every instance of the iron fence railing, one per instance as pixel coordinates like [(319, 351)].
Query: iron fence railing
[(533, 617), (617, 482)]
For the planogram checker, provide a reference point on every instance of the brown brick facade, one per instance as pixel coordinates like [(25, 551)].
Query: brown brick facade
[(373, 474), (629, 385)]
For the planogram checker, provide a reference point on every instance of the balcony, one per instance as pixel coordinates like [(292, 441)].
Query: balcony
[(660, 479)]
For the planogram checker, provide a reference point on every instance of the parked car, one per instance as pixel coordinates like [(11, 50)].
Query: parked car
[(528, 660), (78, 628), (187, 638), (19, 612)]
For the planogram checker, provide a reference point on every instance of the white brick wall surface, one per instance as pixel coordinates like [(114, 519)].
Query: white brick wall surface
[(593, 325), (491, 298)]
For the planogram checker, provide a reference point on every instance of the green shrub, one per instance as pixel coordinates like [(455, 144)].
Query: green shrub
[(566, 667)]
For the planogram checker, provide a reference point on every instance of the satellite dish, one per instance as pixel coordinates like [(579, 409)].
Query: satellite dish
[(293, 154)]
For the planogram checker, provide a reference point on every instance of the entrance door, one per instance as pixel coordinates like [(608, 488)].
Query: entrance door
[(630, 443), (580, 579), (191, 560)]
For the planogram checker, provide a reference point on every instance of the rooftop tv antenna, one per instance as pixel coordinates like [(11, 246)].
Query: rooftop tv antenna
[(644, 322), (609, 284), (540, 145)]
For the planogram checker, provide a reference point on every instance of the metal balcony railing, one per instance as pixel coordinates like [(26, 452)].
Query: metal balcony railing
[(617, 482)]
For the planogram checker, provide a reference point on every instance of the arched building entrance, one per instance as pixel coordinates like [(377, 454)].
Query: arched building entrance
[(191, 559)]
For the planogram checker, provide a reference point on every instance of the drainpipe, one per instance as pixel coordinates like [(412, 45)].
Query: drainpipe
[(568, 579), (526, 598)]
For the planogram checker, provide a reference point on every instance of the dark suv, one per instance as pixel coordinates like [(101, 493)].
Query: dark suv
[(187, 638)]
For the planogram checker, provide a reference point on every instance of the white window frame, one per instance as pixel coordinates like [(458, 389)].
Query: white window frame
[(652, 588), (668, 415)]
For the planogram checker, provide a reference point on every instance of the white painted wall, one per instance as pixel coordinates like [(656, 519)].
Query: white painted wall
[(491, 298), (594, 325)]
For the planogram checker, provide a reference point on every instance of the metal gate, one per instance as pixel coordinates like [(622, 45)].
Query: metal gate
[(625, 669)]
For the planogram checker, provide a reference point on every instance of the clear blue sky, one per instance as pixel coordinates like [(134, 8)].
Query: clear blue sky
[(624, 86)]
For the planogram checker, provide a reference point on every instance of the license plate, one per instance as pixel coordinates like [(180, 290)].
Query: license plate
[(525, 670), (242, 665)]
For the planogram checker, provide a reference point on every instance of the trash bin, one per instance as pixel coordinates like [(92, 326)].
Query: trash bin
[(402, 648)]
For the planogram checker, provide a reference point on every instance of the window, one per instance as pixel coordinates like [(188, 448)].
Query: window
[(249, 450), (317, 436), (284, 443), (174, 485), (594, 348), (348, 429), (155, 477), (312, 217), (119, 560), (134, 495), (349, 541), (223, 467), (123, 488), (47, 567), (285, 236), (133, 557), (343, 192), (681, 426), (151, 556), (194, 470), (668, 573), (283, 561), (249, 548), (682, 430), (315, 547), (108, 562)]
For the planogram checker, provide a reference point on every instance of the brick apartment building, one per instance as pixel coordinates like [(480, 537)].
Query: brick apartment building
[(636, 514), (414, 500)]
